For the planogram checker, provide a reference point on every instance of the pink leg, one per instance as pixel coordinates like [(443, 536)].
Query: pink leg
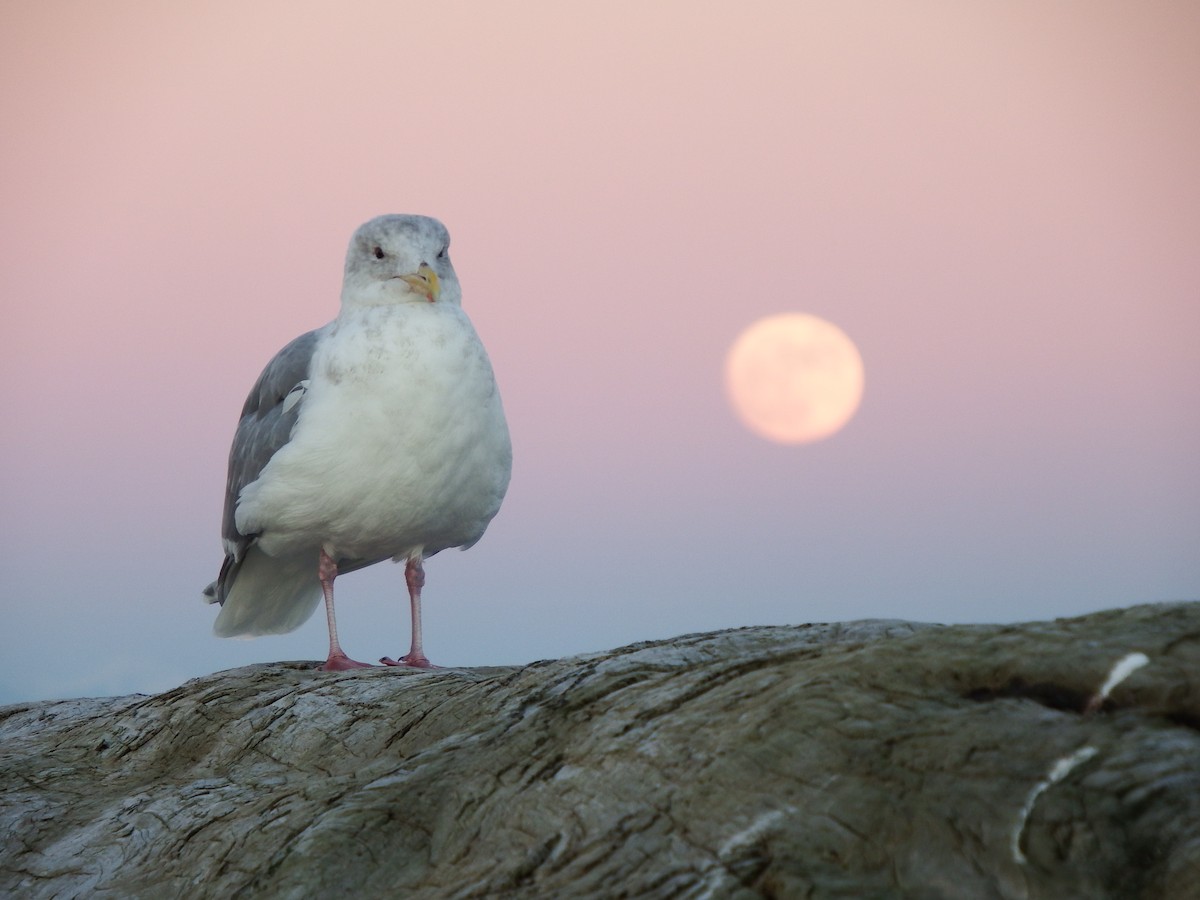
[(338, 660), (414, 575)]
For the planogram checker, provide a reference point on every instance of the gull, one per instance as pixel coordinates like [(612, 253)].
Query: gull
[(378, 436)]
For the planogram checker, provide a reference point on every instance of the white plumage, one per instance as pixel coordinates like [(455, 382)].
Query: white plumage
[(380, 435)]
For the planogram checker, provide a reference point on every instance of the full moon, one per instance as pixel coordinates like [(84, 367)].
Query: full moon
[(794, 378)]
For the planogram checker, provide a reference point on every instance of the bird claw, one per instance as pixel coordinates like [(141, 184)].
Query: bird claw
[(414, 660), (340, 662)]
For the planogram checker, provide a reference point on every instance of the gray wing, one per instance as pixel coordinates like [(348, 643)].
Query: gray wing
[(268, 418)]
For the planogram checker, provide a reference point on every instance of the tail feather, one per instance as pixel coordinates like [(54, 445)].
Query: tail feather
[(269, 595)]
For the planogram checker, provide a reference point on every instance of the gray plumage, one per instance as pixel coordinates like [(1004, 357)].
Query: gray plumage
[(268, 417)]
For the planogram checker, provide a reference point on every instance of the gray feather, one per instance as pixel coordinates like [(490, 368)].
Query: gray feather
[(266, 424)]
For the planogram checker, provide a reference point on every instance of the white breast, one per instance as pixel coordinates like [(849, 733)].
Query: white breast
[(401, 443)]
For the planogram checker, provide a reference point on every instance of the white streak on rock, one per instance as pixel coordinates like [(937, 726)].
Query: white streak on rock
[(719, 881), (1122, 669), (750, 833), (1060, 770)]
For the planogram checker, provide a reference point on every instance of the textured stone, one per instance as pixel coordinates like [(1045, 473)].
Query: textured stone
[(868, 759)]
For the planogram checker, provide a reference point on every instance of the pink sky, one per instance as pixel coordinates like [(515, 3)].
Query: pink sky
[(998, 202)]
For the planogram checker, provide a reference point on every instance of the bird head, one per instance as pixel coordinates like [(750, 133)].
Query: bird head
[(400, 259)]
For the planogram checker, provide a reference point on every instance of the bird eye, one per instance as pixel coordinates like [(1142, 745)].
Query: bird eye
[(442, 253), (379, 253)]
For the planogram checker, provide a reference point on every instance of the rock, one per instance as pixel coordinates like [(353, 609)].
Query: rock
[(869, 759)]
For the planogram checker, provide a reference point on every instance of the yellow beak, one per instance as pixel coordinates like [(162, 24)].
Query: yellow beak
[(424, 281)]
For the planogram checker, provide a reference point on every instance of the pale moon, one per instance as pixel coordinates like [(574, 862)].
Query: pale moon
[(794, 378)]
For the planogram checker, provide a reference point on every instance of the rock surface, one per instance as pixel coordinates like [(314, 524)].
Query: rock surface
[(869, 759)]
